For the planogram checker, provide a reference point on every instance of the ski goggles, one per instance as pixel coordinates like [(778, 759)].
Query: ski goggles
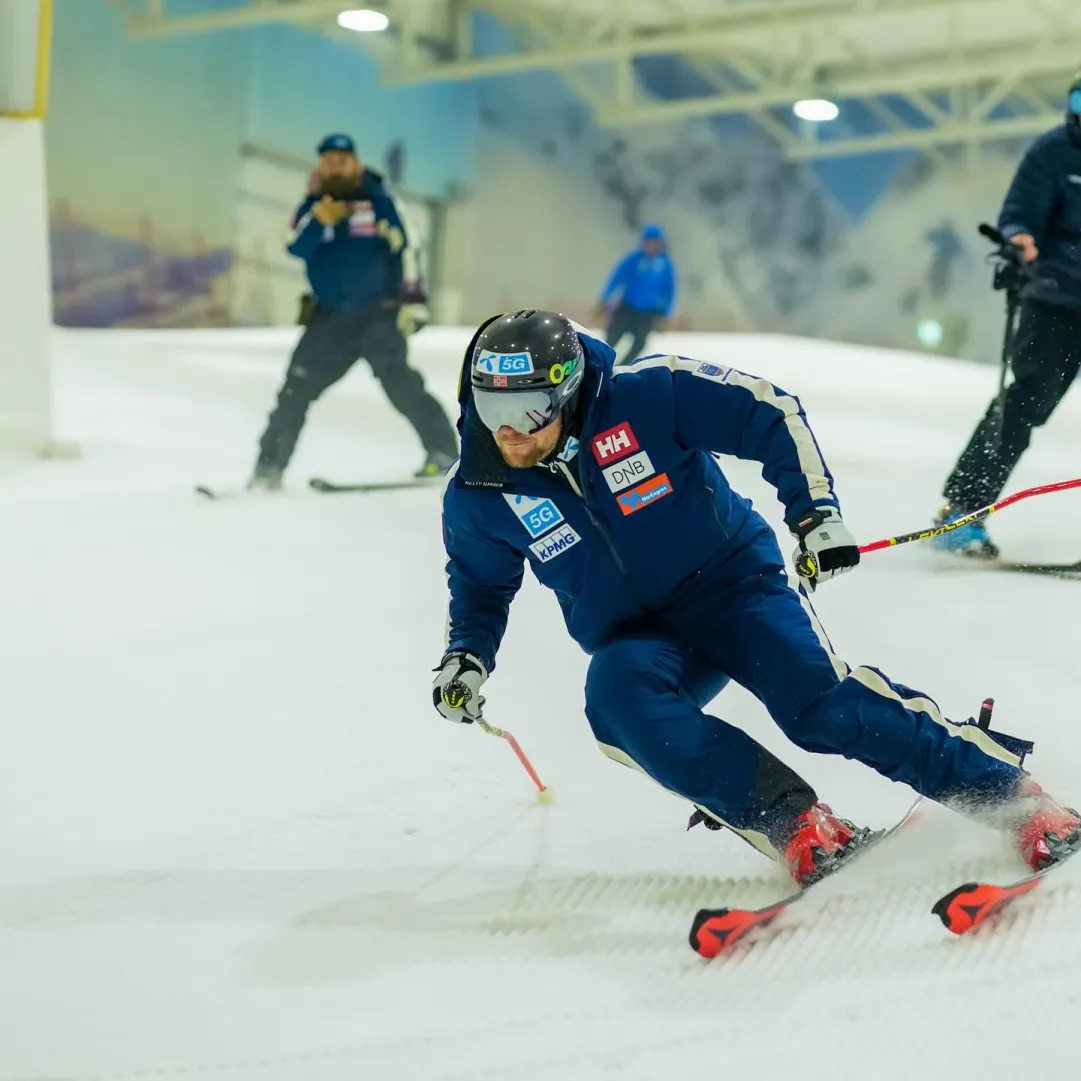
[(1075, 101), (526, 411)]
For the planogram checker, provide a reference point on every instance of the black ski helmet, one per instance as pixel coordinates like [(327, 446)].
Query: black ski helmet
[(525, 370)]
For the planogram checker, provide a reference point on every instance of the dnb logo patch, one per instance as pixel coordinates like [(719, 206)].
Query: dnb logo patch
[(613, 444), (555, 543), (630, 471), (537, 514), (648, 492), (505, 363)]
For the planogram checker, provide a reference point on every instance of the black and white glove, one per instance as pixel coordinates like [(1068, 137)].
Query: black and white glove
[(456, 691), (413, 315), (826, 548)]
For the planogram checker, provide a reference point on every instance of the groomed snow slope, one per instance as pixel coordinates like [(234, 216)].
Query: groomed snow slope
[(237, 842)]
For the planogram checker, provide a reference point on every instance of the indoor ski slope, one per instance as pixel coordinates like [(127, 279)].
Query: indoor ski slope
[(237, 842)]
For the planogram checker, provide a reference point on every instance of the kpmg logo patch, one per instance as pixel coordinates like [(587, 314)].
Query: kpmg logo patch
[(613, 444), (537, 514), (555, 543), (630, 471), (504, 363), (713, 371), (644, 494)]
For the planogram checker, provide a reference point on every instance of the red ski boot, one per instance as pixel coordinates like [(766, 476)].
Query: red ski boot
[(1046, 832), (819, 842)]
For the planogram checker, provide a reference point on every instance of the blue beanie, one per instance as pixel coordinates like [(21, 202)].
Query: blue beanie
[(652, 231), (337, 142)]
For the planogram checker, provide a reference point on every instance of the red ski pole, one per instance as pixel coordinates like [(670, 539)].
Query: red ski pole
[(969, 519), (542, 791)]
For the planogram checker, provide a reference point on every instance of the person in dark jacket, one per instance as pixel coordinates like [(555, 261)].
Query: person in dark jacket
[(1042, 216), (603, 481), (366, 300), (640, 292)]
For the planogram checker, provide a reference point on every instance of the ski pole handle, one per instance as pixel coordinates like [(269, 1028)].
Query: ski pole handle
[(970, 519), (516, 748)]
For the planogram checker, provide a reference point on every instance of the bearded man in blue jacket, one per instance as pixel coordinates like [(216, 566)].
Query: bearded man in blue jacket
[(366, 300), (603, 480)]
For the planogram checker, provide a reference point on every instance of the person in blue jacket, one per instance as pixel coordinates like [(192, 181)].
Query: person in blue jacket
[(366, 301), (602, 479), (1042, 216), (640, 292)]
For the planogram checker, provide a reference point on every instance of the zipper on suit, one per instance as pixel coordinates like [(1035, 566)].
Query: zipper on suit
[(597, 524)]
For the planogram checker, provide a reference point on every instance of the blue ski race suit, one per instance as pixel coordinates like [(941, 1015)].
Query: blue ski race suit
[(675, 585)]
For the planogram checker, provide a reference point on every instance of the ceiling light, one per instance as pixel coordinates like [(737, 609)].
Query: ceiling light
[(816, 110), (363, 21)]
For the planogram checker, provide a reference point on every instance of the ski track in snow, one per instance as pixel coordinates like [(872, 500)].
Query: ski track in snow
[(238, 842)]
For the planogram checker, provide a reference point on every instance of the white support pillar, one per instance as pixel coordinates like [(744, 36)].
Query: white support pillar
[(25, 281)]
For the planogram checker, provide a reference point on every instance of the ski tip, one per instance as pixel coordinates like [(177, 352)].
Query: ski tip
[(965, 908), (320, 485), (715, 930), (710, 931)]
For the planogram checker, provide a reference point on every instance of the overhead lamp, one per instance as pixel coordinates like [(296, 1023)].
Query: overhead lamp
[(363, 21), (816, 110)]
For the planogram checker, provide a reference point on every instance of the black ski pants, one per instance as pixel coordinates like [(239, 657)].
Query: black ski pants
[(1046, 355), (331, 344), (626, 320)]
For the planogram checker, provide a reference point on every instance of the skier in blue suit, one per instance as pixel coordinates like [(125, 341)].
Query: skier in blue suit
[(640, 292), (602, 479)]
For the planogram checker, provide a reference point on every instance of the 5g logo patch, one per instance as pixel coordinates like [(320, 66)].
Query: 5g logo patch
[(537, 514)]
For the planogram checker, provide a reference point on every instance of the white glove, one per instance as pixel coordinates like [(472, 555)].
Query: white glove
[(456, 690), (826, 548), (413, 317)]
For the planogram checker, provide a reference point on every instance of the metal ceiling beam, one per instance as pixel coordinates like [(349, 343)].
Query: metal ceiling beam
[(153, 25), (926, 138), (732, 31), (986, 67)]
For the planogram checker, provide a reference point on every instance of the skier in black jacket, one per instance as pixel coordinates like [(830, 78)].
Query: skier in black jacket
[(1042, 216)]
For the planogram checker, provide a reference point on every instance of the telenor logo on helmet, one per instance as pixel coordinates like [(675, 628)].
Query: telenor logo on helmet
[(505, 363)]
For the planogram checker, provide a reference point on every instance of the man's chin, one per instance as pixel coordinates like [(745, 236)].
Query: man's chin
[(519, 462)]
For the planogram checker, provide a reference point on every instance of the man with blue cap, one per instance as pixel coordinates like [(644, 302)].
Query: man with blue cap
[(1042, 216), (640, 292), (366, 300)]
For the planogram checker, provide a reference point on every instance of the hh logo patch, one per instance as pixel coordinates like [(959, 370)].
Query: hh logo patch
[(505, 363), (713, 371), (538, 515), (644, 494), (630, 471), (614, 444), (556, 543)]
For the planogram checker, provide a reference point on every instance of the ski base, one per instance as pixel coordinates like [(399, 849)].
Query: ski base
[(320, 484), (715, 930), (1050, 570), (968, 906)]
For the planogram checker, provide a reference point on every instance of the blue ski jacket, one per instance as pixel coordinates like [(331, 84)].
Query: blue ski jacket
[(636, 515), (363, 259), (1044, 201), (644, 282)]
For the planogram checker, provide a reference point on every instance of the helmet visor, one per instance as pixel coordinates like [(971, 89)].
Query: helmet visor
[(1075, 101), (526, 411)]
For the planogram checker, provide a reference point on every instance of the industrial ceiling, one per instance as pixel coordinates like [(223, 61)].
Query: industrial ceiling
[(928, 73)]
